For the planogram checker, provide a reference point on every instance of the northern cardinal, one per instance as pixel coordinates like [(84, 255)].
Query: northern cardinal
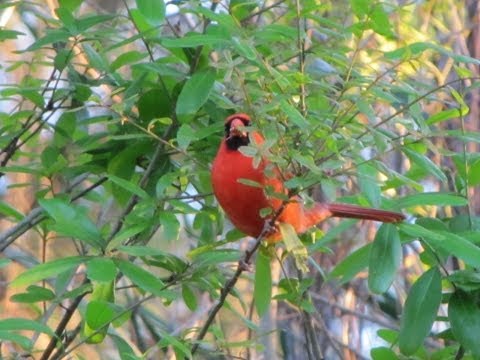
[(243, 202)]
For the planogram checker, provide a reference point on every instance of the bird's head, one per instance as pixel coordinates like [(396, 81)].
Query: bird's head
[(235, 133)]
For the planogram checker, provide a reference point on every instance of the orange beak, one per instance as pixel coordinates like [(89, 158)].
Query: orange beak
[(237, 128)]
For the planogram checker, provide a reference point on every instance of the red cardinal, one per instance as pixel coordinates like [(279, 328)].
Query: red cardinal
[(243, 203)]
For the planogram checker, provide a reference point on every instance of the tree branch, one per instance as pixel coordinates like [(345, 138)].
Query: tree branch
[(35, 217), (62, 325)]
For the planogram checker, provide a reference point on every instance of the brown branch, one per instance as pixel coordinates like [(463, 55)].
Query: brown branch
[(230, 285), (68, 340), (62, 325)]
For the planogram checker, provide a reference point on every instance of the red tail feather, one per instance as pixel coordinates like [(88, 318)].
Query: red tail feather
[(358, 212)]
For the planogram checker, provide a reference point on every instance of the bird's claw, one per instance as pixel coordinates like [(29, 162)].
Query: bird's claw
[(270, 228), (245, 266)]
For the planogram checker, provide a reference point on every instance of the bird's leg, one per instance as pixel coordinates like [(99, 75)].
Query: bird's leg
[(245, 266), (270, 228)]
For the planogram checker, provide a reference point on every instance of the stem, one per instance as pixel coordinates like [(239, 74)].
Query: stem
[(301, 57), (229, 287), (313, 347), (62, 325)]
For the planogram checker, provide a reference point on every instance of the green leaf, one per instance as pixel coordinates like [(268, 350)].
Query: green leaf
[(62, 59), (13, 337), (454, 244), (417, 48), (100, 312), (34, 294), (215, 257), (474, 173), (86, 22), (98, 315), (262, 292), (66, 17), (72, 221), (380, 22), (251, 183), (152, 10), (383, 353), (360, 7), (82, 94), (159, 257), (124, 234), (101, 269), (431, 198), (294, 246), (141, 23), (95, 60), (425, 163), (464, 316), (127, 58), (195, 92), (194, 40), (458, 246), (443, 116), (24, 324), (244, 49), (420, 311), (47, 270), (241, 8), (9, 211), (185, 135), (385, 258), (71, 5), (467, 280), (294, 115), (122, 165), (125, 351), (9, 34), (368, 184), (168, 340), (353, 264), (189, 297), (170, 226), (139, 250), (144, 279), (129, 186), (52, 36)]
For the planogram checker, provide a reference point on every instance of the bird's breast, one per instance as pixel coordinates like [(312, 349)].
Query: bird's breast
[(241, 202)]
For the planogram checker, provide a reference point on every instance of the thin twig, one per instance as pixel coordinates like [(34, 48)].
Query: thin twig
[(242, 265), (68, 340), (198, 51), (134, 199), (62, 325), (262, 10), (312, 342), (36, 216), (460, 353), (130, 308), (229, 287), (301, 57)]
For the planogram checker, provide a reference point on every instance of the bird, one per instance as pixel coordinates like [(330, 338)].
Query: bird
[(244, 200)]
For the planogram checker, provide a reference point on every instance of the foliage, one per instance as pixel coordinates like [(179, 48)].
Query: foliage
[(118, 116)]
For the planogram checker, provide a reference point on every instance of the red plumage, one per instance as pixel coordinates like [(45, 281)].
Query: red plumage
[(242, 203)]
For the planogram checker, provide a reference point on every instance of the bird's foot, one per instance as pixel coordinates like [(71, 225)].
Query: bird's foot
[(270, 228), (245, 266)]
